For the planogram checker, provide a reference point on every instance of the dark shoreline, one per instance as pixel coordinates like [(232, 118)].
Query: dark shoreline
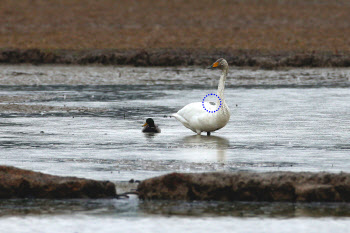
[(21, 183), (175, 57), (209, 186), (248, 186)]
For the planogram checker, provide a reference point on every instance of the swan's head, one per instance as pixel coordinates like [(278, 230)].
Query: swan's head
[(220, 63), (149, 122)]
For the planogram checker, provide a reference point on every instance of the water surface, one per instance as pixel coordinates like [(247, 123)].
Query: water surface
[(86, 122)]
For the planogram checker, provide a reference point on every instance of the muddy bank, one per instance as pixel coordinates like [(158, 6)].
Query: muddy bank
[(175, 57), (249, 186), (19, 183), (36, 109)]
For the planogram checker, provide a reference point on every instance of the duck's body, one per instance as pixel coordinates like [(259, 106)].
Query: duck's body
[(211, 116), (150, 127)]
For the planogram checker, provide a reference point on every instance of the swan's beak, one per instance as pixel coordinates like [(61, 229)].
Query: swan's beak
[(145, 124), (214, 65)]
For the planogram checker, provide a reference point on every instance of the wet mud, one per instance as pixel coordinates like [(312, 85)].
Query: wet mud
[(19, 183), (176, 57), (249, 186), (37, 109)]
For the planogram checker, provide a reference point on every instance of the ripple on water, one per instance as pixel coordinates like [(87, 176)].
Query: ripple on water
[(86, 122)]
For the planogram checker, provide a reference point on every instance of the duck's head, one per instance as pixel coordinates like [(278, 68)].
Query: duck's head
[(220, 63), (149, 122)]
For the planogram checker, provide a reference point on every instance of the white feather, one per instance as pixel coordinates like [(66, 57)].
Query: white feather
[(211, 118)]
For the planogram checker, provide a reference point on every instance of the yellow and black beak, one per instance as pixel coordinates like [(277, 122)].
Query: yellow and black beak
[(214, 65), (145, 124)]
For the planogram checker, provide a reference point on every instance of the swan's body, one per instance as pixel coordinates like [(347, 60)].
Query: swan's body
[(198, 119)]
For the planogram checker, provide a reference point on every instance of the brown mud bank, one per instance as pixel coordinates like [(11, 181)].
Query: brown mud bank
[(239, 186), (175, 57), (249, 186), (19, 183), (35, 109)]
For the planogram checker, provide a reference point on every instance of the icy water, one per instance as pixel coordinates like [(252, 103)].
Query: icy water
[(86, 122)]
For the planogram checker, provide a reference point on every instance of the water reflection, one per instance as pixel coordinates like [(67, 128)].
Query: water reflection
[(245, 209), (134, 207), (149, 136), (205, 144)]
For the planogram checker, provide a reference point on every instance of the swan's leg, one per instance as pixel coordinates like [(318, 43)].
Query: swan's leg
[(198, 132), (208, 133)]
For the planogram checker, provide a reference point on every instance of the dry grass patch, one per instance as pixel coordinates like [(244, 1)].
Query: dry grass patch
[(321, 25)]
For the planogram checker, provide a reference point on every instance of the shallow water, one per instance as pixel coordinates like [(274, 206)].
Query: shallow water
[(86, 122)]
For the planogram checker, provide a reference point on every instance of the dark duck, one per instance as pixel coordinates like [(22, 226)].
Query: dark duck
[(150, 127)]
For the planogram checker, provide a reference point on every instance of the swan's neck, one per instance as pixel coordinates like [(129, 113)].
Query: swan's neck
[(221, 86)]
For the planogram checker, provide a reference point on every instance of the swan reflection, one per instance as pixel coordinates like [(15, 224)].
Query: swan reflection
[(207, 144)]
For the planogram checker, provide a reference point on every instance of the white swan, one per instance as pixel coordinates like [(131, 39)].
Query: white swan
[(208, 116)]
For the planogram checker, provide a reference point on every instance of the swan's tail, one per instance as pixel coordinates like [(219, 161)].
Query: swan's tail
[(183, 121), (179, 118)]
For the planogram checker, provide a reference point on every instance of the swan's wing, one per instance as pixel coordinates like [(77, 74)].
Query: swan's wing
[(186, 114), (191, 111)]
